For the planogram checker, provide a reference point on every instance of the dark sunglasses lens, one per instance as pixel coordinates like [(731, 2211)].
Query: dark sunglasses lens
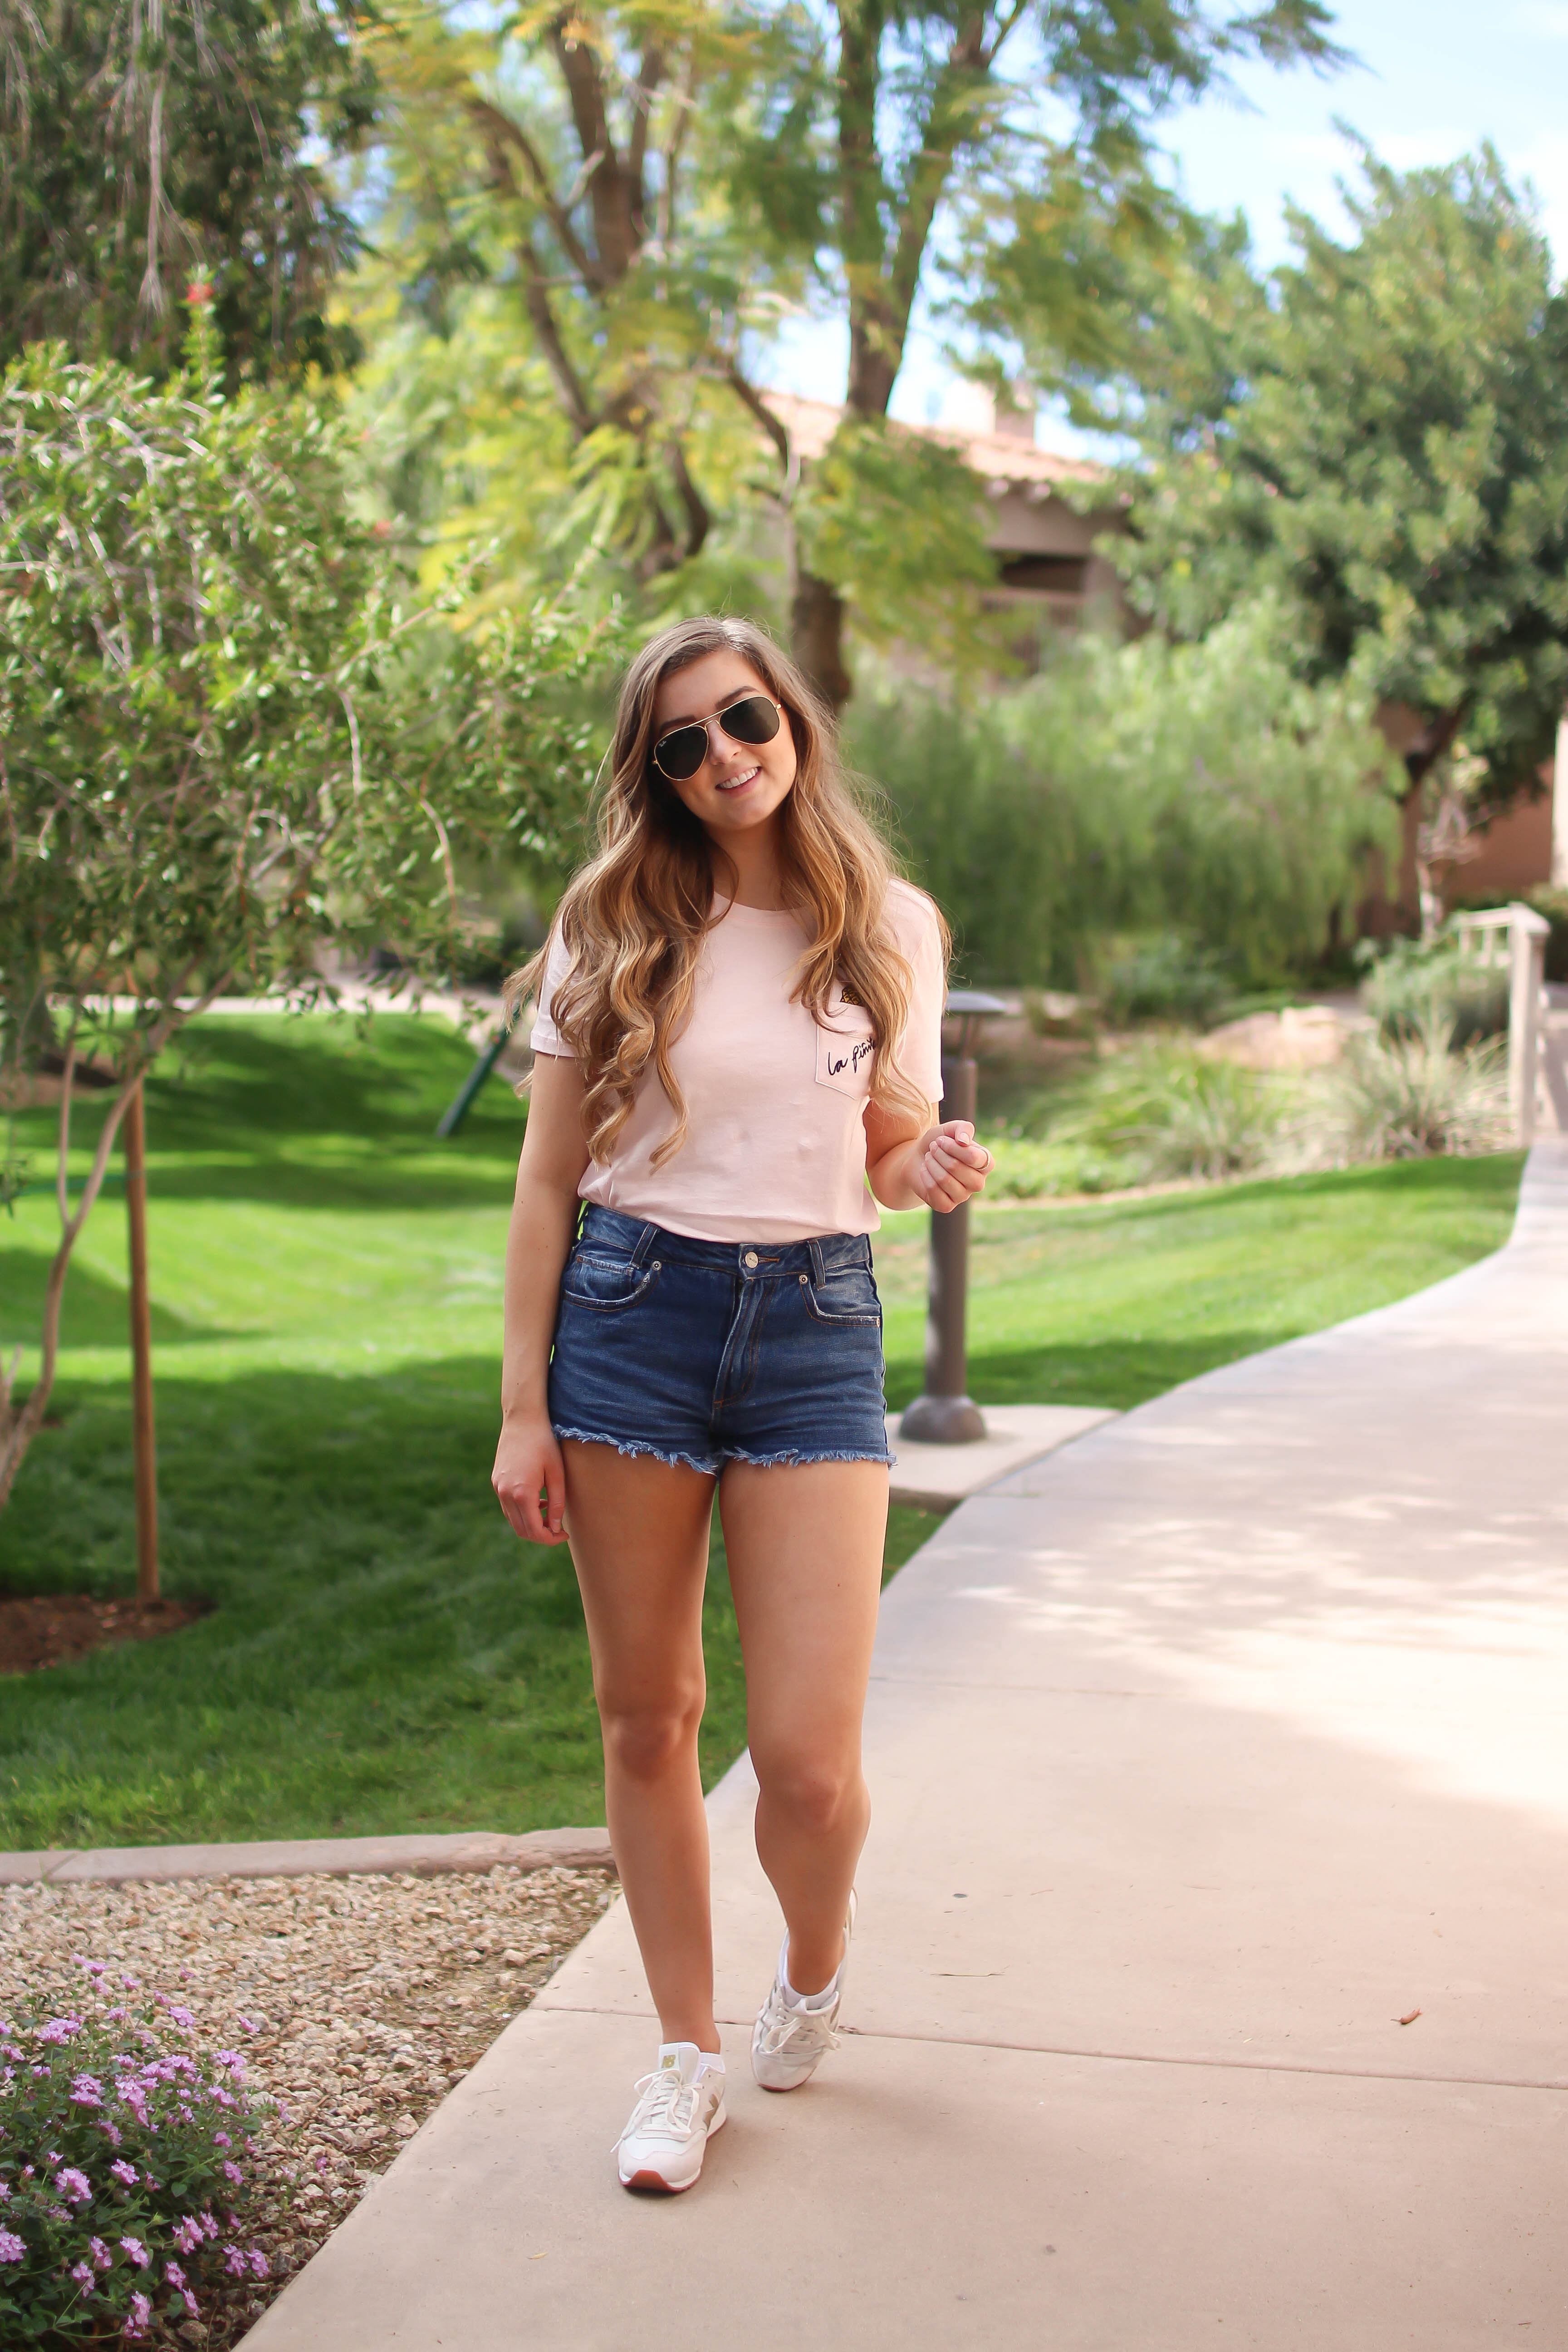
[(681, 754), (755, 720)]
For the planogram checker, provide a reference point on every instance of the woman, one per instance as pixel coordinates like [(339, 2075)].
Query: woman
[(738, 1028)]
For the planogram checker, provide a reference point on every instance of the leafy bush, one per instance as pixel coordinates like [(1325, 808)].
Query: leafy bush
[(1553, 905), (1156, 1112), (1166, 978), (1202, 789), (122, 2189), (1412, 985), (1413, 1096)]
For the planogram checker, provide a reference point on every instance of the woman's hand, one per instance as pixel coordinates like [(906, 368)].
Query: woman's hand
[(948, 1167), (529, 1466)]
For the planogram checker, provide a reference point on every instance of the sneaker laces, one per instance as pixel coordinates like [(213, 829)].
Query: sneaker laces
[(783, 2019), (664, 2104)]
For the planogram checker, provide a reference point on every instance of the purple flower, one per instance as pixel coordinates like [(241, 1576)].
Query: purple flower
[(75, 2185), (250, 2024), (222, 2139), (233, 2058), (5, 2194), (129, 1983), (110, 2132), (60, 2029), (93, 1967), (11, 2247), (123, 2171), (137, 2252), (86, 2091), (234, 2261), (231, 2171), (187, 2234), (101, 2258), (257, 2261), (140, 2313), (117, 2016), (181, 2016), (82, 2273), (209, 2227)]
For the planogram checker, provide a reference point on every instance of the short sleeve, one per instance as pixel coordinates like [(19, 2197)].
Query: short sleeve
[(914, 923), (546, 1037)]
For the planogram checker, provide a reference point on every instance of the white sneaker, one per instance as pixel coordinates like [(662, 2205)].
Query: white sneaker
[(680, 2106), (793, 2034)]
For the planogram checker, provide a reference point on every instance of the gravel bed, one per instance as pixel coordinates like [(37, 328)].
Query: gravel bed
[(373, 1996)]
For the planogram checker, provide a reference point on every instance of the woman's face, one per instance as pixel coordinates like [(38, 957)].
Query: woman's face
[(739, 785)]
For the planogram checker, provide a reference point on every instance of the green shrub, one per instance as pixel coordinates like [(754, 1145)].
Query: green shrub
[(1146, 788), (1165, 978), (1553, 905), (1158, 1111), (1409, 985)]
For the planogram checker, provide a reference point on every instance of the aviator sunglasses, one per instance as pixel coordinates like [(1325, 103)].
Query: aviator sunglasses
[(754, 718)]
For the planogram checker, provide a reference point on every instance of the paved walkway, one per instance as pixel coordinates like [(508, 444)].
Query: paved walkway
[(1204, 1753)]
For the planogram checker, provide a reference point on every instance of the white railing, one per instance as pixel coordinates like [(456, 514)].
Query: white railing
[(1516, 937)]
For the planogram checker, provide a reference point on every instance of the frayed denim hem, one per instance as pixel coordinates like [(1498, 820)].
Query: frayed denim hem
[(798, 1457), (634, 1445), (788, 1459)]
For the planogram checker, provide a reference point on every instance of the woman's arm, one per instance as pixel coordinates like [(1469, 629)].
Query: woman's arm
[(544, 1220), (911, 1167)]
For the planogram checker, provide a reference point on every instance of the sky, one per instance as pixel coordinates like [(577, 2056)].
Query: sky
[(1434, 78)]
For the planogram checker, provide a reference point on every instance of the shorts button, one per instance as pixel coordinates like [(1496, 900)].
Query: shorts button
[(751, 1258)]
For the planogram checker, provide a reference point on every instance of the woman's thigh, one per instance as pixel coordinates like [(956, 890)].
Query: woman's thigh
[(805, 1546), (639, 1531)]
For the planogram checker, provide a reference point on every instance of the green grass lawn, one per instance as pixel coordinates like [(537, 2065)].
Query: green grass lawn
[(381, 1653)]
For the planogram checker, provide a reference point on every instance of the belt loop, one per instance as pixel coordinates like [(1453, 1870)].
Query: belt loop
[(645, 1242), (818, 1265)]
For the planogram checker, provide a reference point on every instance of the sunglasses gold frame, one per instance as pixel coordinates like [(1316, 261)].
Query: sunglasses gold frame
[(687, 725)]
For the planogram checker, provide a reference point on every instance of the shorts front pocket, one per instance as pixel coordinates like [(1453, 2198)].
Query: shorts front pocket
[(606, 1284), (847, 1297)]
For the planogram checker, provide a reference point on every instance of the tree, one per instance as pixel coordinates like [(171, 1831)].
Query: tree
[(1380, 436), (1202, 789), (661, 180), (230, 735), (140, 142)]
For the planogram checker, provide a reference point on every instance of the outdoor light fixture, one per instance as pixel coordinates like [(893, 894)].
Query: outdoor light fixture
[(942, 1414)]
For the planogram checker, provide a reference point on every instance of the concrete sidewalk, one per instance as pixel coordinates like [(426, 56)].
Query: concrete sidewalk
[(1204, 1752)]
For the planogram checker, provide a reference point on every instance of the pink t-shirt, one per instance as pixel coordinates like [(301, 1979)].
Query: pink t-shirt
[(775, 1137)]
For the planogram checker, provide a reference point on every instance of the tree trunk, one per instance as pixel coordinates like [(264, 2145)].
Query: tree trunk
[(817, 629)]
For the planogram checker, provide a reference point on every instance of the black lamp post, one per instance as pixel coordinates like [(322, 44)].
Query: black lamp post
[(942, 1414)]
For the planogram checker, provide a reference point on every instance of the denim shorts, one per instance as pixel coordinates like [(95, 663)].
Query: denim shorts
[(708, 1352)]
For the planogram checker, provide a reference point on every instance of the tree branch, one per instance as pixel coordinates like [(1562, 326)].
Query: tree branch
[(752, 399), (649, 76), (698, 518), (878, 336), (609, 190), (500, 134), (568, 383)]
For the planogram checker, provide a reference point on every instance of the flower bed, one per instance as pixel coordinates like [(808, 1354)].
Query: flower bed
[(334, 2013), (93, 2238)]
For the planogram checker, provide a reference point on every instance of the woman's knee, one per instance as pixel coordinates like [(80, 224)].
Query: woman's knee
[(646, 1740), (814, 1795)]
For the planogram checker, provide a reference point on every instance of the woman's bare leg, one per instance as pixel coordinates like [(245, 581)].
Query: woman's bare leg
[(639, 1542), (805, 1546)]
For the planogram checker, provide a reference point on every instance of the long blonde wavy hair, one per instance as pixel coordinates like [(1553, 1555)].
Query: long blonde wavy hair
[(635, 917)]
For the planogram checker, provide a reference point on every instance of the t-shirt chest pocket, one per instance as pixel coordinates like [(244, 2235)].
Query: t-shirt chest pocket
[(846, 1048)]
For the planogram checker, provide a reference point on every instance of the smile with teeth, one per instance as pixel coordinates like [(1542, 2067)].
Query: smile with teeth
[(734, 783)]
